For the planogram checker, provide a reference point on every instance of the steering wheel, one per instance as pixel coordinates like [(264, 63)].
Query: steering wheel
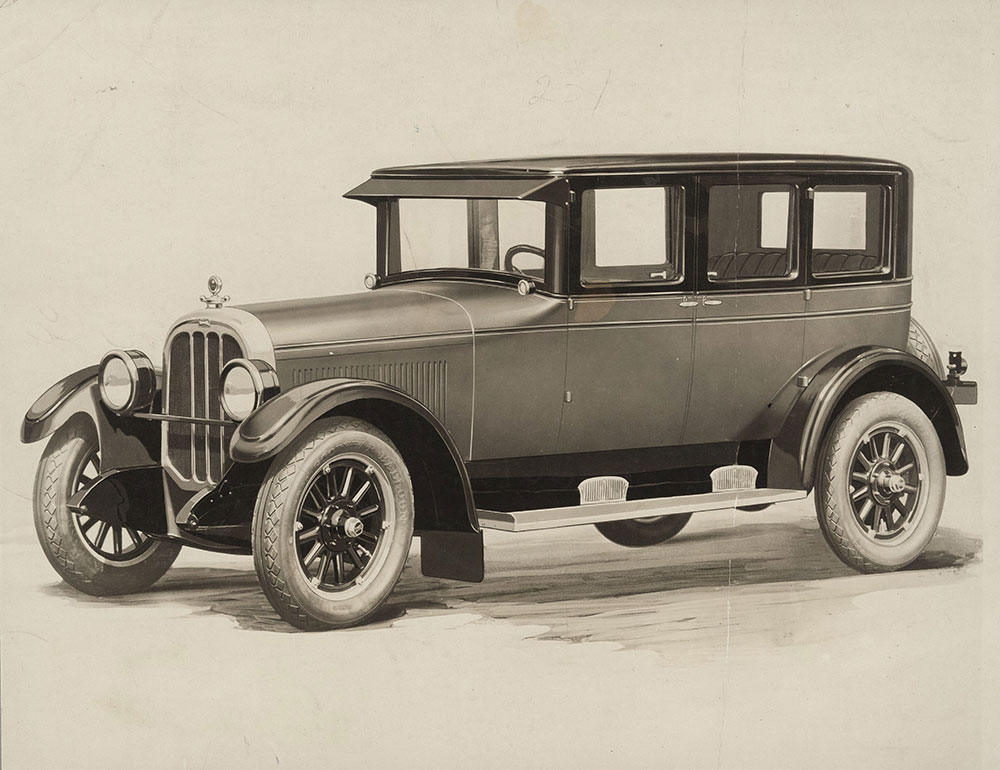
[(517, 248)]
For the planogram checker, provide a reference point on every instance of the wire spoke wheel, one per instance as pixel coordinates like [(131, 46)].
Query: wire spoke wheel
[(112, 542), (340, 525)]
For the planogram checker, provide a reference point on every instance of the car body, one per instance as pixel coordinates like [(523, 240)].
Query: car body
[(618, 340)]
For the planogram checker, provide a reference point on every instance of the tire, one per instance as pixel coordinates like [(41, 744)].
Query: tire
[(880, 483), (638, 533), (76, 544), (337, 500), (919, 344)]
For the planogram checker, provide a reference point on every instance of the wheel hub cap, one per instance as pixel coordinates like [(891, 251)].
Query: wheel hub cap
[(890, 483), (338, 524), (352, 526)]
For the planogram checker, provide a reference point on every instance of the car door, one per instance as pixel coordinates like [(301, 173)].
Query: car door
[(749, 324), (630, 321)]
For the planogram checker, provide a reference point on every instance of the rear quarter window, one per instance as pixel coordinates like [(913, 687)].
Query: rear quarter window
[(848, 230)]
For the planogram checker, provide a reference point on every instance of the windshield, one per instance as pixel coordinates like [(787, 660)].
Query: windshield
[(504, 236)]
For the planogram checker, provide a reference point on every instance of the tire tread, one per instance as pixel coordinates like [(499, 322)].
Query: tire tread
[(829, 520), (47, 497)]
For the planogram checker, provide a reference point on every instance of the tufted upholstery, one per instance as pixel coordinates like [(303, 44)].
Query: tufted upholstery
[(748, 264), (843, 262), (732, 266)]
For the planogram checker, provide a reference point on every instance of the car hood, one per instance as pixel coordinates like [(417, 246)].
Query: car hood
[(387, 313)]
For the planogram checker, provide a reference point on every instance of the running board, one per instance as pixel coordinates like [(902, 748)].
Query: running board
[(574, 515)]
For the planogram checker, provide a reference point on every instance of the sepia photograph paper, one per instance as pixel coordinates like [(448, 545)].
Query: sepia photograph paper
[(527, 383)]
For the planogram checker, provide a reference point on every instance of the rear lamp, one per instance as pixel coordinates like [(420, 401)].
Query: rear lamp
[(244, 385), (957, 365), (127, 381)]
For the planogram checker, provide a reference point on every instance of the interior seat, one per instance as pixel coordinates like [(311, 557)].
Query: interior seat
[(843, 262), (732, 266)]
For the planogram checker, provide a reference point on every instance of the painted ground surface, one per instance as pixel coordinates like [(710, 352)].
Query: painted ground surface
[(743, 643)]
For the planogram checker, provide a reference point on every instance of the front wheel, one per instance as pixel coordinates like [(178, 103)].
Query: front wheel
[(880, 483), (649, 530), (333, 525), (93, 556)]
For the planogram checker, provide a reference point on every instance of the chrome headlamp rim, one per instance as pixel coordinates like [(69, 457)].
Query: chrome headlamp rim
[(141, 376), (263, 377)]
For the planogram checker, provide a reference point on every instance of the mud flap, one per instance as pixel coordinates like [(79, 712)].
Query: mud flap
[(452, 555)]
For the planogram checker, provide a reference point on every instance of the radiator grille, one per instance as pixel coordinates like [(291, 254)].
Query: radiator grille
[(194, 363), (424, 380)]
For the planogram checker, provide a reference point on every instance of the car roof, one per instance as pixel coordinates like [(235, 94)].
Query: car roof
[(572, 165)]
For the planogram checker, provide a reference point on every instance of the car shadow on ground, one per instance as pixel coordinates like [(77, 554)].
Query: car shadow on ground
[(543, 581)]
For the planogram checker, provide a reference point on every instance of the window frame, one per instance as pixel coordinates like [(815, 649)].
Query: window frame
[(797, 279), (675, 260), (889, 222), (581, 184)]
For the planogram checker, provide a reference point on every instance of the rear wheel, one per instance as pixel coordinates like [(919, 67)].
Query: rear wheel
[(880, 484), (333, 525), (650, 530), (93, 556)]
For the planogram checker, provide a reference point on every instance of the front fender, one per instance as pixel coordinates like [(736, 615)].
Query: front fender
[(71, 395), (125, 441), (276, 423), (445, 513), (847, 375)]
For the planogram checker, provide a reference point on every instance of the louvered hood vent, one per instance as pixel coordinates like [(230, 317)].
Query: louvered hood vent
[(426, 381)]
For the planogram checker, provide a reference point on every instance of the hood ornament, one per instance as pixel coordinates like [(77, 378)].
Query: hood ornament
[(213, 300)]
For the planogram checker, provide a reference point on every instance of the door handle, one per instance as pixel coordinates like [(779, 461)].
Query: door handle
[(662, 274), (711, 302), (688, 303)]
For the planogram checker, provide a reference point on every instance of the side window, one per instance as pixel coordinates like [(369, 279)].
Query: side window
[(633, 235), (749, 233), (847, 233)]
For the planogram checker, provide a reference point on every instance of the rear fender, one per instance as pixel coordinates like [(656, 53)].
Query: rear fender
[(842, 378)]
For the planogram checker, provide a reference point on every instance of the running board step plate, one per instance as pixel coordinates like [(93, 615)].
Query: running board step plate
[(730, 478), (603, 489), (575, 515)]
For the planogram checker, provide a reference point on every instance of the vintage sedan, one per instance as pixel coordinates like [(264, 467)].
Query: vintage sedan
[(618, 340)]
